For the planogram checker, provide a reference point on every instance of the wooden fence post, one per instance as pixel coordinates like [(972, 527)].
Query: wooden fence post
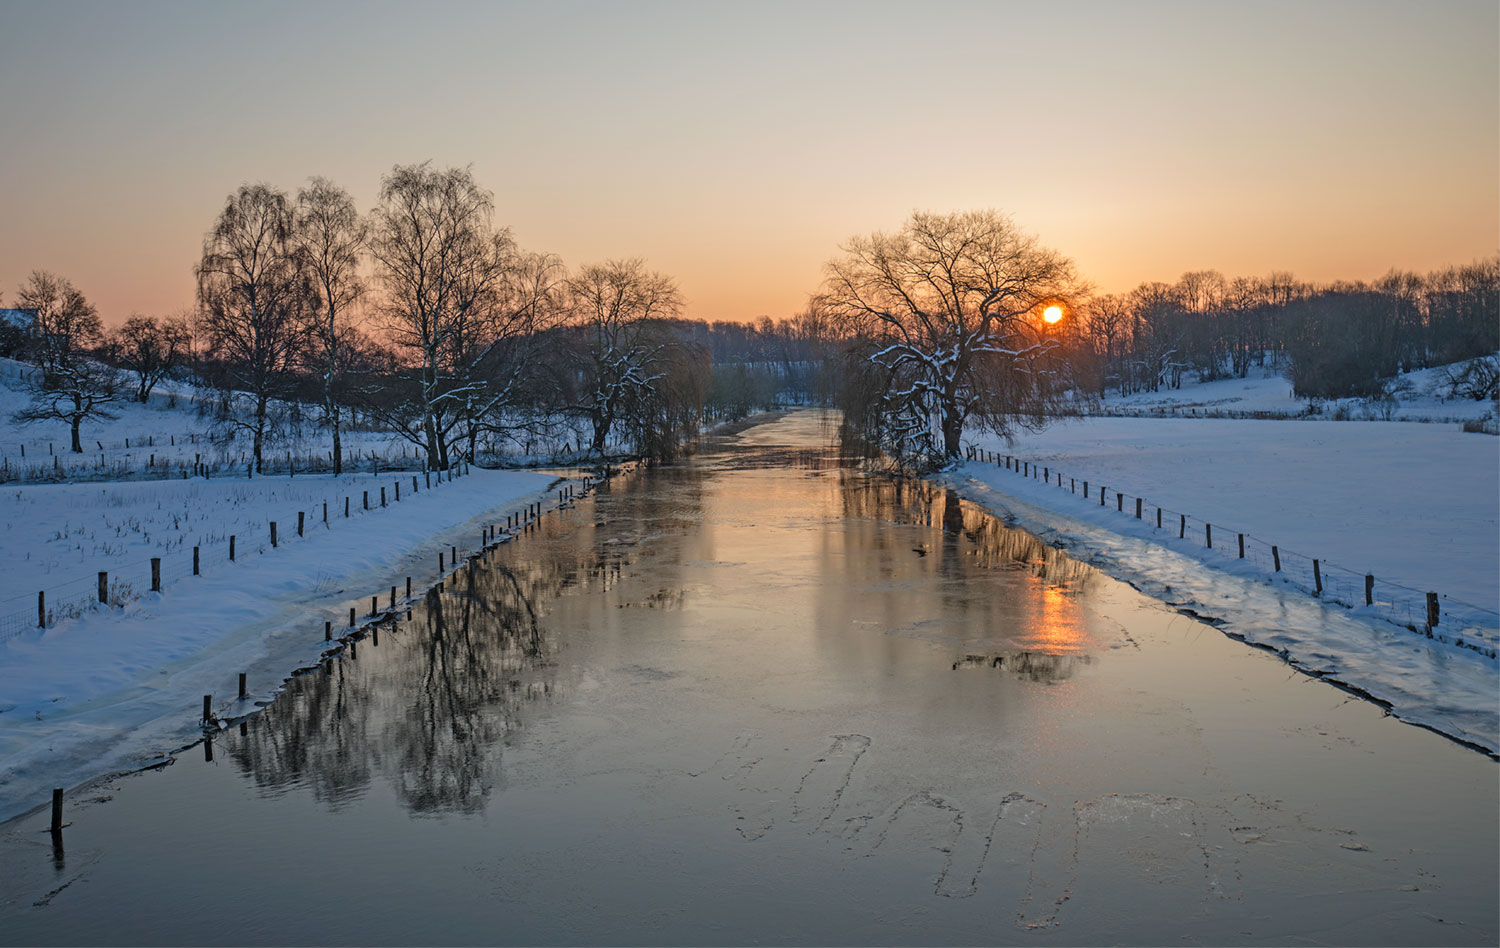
[(273, 534), (1432, 610), (367, 500), (1158, 518), (1102, 490), (346, 505), (208, 708), (351, 617), (242, 686), (1208, 535), (1317, 579), (1119, 502), (382, 496), (1369, 589), (103, 586), (328, 630), (195, 562), (1085, 490), (1276, 557), (41, 608), (156, 574), (1182, 527), (57, 801), (408, 587), (299, 522), (1242, 544), (374, 605), (231, 548)]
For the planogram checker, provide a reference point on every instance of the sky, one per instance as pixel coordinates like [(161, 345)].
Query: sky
[(736, 146)]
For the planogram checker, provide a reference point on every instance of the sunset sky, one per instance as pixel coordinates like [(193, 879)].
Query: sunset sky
[(735, 146)]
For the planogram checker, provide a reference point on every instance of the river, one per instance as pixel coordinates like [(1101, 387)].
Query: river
[(765, 696)]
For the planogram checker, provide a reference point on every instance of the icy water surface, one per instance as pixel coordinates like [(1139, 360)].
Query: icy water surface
[(763, 697)]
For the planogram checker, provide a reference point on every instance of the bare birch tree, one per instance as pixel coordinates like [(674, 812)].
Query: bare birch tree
[(446, 271), (254, 294), (331, 236)]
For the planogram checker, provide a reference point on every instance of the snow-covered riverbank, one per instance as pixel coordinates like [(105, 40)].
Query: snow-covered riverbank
[(111, 689), (1417, 505)]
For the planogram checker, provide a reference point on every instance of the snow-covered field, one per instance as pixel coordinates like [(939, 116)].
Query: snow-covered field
[(1415, 505)]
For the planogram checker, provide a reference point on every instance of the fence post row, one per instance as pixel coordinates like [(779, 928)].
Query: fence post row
[(1026, 469)]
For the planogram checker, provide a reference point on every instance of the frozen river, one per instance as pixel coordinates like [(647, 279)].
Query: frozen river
[(765, 697)]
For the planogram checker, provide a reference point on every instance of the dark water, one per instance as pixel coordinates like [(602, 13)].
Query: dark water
[(763, 697)]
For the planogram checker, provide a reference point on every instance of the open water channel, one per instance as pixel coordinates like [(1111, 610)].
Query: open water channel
[(763, 696)]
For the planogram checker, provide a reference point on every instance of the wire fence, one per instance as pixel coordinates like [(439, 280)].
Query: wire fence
[(1434, 615), (181, 459), (128, 580)]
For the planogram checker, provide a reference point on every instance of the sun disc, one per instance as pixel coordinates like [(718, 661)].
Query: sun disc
[(1052, 314)]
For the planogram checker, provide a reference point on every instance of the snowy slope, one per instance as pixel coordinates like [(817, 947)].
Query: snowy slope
[(1421, 396)]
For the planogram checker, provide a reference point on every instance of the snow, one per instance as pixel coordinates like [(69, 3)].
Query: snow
[(1421, 396), (1416, 505), (108, 688)]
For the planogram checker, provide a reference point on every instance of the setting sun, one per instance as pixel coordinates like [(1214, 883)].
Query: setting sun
[(1052, 313)]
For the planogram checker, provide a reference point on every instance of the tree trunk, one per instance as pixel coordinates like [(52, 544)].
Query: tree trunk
[(601, 434), (338, 450), (260, 433), (77, 444), (953, 431)]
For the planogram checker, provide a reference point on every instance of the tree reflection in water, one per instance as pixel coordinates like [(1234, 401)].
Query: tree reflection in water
[(990, 543), (960, 543), (429, 705)]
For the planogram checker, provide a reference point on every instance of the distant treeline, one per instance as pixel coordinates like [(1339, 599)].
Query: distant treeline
[(425, 317), (1336, 341)]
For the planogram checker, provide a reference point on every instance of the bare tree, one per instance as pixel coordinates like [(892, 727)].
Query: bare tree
[(331, 235), (444, 268), (612, 305), (502, 354), (950, 306), (254, 294), (150, 348), (69, 386)]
